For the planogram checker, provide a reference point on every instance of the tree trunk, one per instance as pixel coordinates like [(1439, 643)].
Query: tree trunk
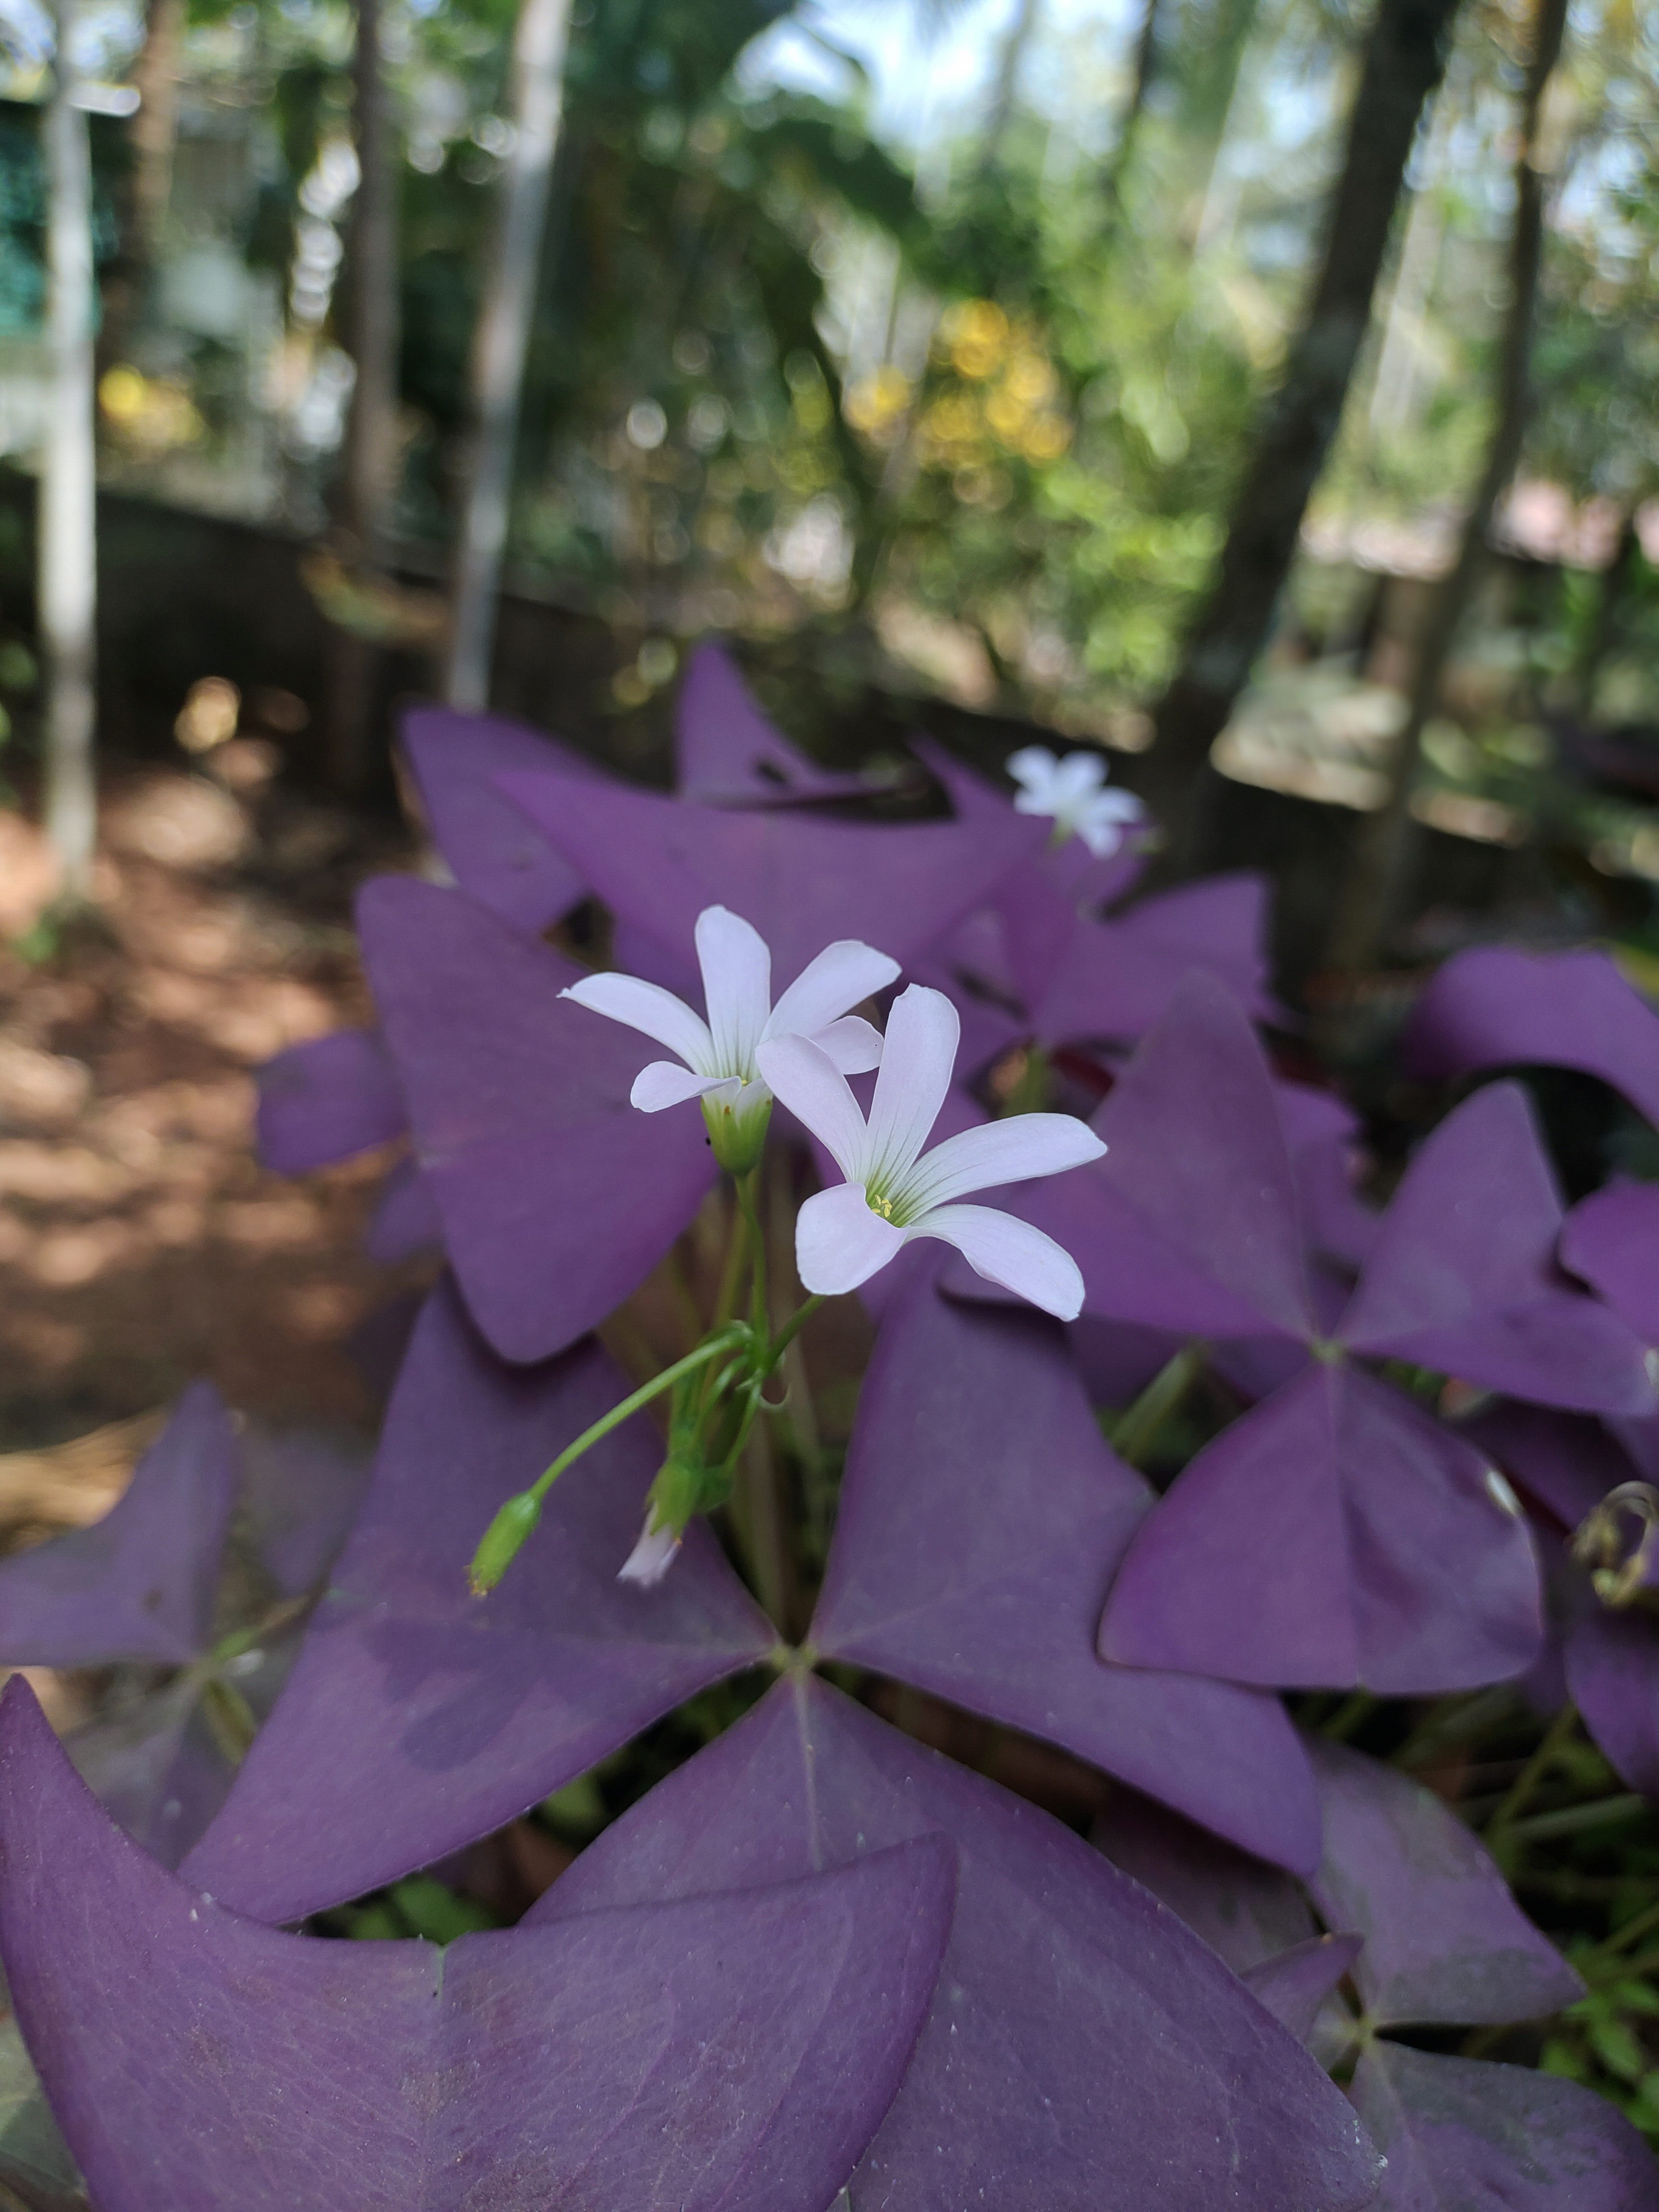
[(500, 344), (1009, 63), (1404, 60), (1146, 69), (371, 447), (1603, 631), (1371, 890), (67, 587), (153, 138)]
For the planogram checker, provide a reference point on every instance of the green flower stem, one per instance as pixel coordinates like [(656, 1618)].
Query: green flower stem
[(1136, 1430), (504, 1538), (1526, 1782), (786, 1335), (701, 1358), (748, 1199), (1575, 1820)]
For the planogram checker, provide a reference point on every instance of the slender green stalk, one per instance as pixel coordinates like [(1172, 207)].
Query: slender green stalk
[(786, 1335), (631, 1404), (1526, 1782), (748, 1199), (1138, 1430), (730, 1275), (1574, 1819), (1348, 1715)]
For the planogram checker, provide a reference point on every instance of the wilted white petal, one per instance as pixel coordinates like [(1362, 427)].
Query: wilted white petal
[(651, 1010), (843, 973), (814, 1090), (1015, 1150), (840, 1241), (665, 1083), (917, 1060), (737, 985), (853, 1044), (651, 1558), (1008, 1251)]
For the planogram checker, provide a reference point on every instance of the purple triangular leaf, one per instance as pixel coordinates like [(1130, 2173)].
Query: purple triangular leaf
[(1195, 1147), (1462, 1276), (1295, 1984), (1463, 2133), (726, 2054), (1083, 2049), (981, 1519), (1612, 1240), (157, 1771), (1446, 1945), (1333, 1536), (406, 1220), (1496, 1006), (1565, 1462), (557, 1197), (802, 883), (1118, 979), (301, 1491), (326, 1099), (418, 1717), (725, 752), (1245, 1909), (492, 851), (139, 1583), (1612, 1663)]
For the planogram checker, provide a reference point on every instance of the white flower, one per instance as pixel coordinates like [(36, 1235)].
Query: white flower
[(652, 1556), (895, 1191), (1073, 791), (718, 1056)]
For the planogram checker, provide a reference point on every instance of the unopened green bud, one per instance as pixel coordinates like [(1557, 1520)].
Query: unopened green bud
[(502, 1541), (737, 1129)]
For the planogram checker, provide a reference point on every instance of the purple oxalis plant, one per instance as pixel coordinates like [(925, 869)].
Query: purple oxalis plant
[(821, 1964)]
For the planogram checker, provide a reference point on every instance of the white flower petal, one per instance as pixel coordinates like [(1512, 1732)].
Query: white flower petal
[(737, 986), (665, 1082), (853, 1043), (651, 1558), (1033, 767), (651, 1010), (918, 1057), (1008, 1251), (1015, 1150), (1078, 778), (814, 1090), (840, 1241), (843, 973)]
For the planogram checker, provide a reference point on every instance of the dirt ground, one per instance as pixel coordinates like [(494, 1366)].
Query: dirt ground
[(141, 1243)]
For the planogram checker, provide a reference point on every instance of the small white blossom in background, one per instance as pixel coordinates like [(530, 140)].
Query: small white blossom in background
[(895, 1191), (1072, 792), (717, 1058)]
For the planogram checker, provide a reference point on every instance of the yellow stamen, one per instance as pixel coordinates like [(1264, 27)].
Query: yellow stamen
[(881, 1205)]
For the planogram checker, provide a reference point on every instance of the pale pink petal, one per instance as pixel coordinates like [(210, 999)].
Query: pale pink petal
[(1015, 1150), (814, 1090), (918, 1057), (1007, 1251), (665, 1083), (651, 1558), (737, 985), (649, 1009), (843, 973), (853, 1043), (840, 1241)]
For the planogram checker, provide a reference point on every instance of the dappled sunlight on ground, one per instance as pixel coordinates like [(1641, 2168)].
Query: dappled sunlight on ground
[(141, 1245)]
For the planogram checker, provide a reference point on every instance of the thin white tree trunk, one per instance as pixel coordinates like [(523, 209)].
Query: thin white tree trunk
[(67, 583), (500, 341)]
